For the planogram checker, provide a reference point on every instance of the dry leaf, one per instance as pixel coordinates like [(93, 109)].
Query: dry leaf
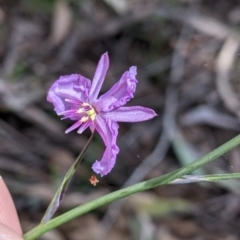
[(61, 22)]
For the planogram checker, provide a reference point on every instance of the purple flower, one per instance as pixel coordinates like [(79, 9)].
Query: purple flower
[(76, 97)]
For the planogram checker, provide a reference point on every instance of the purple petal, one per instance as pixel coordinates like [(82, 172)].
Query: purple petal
[(108, 131), (130, 114), (119, 94), (99, 77), (72, 87)]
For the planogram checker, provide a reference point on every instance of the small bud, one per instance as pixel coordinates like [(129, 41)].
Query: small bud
[(93, 180)]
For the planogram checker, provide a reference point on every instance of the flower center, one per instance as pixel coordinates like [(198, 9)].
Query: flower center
[(89, 111)]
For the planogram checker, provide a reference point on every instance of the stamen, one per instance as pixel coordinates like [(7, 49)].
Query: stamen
[(73, 101), (67, 112), (84, 119), (84, 126), (93, 116), (88, 110), (74, 126), (80, 110), (85, 112)]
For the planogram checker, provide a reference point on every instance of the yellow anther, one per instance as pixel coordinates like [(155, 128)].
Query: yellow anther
[(90, 114), (80, 110), (84, 119)]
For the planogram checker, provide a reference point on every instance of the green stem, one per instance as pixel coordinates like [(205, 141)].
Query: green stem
[(57, 198), (220, 177), (108, 198), (205, 178)]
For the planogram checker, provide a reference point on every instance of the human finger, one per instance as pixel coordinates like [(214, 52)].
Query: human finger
[(8, 214), (7, 233)]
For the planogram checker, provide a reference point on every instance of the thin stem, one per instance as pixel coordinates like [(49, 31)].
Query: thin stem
[(205, 178), (58, 196), (220, 177), (165, 179), (82, 153)]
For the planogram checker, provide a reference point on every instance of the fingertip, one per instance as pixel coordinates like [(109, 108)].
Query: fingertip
[(7, 233), (8, 214)]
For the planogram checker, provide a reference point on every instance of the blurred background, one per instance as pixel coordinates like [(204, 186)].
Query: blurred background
[(187, 54)]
